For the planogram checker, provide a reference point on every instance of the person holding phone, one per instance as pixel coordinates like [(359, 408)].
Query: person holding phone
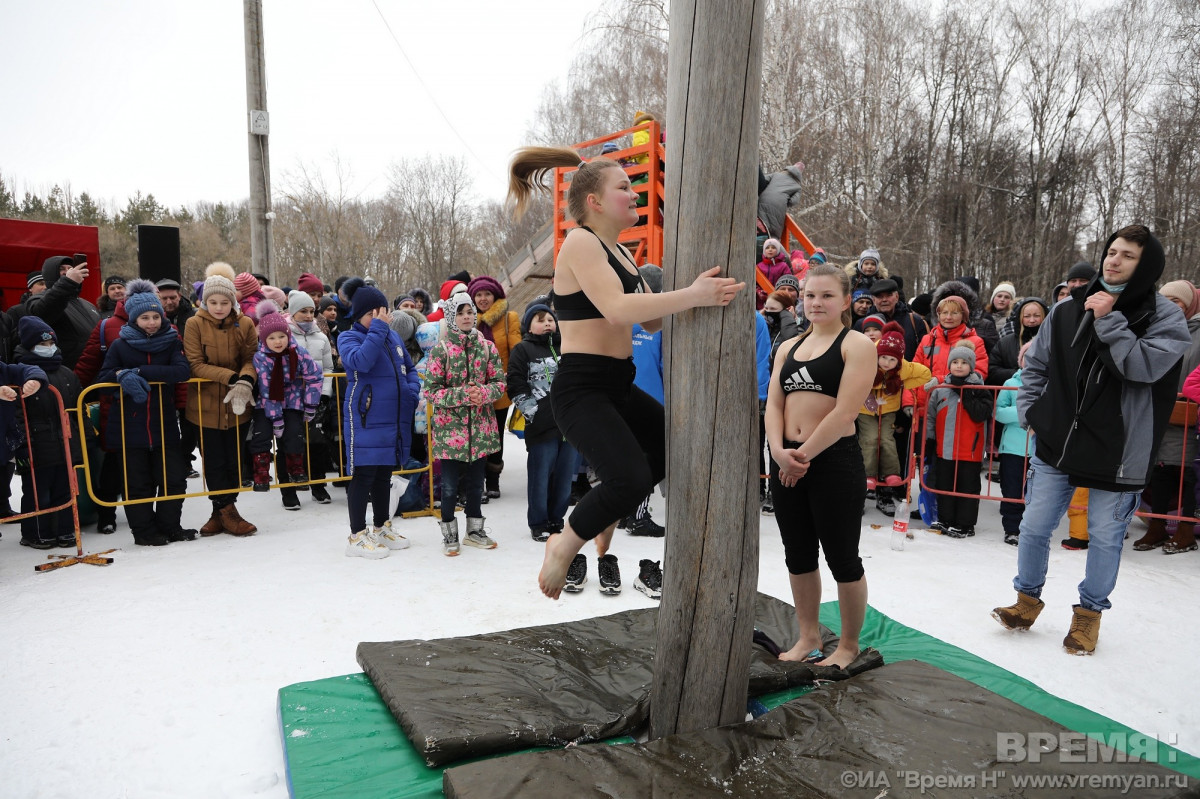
[(71, 317)]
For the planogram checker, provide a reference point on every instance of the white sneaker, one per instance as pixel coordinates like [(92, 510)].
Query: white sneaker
[(388, 536), (364, 545)]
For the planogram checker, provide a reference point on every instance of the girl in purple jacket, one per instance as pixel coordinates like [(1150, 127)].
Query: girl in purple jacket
[(774, 265), (289, 388)]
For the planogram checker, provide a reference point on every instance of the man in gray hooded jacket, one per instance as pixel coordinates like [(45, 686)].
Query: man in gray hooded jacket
[(1098, 387)]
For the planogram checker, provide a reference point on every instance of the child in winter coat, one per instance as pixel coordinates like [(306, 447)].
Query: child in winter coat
[(464, 378), (289, 388), (147, 360), (308, 336), (249, 293), (774, 265), (427, 336), (866, 270), (954, 422), (377, 418), (877, 418), (219, 343), (1014, 450), (41, 460), (552, 461)]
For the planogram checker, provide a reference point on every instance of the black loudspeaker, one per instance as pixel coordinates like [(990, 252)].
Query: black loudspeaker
[(158, 253)]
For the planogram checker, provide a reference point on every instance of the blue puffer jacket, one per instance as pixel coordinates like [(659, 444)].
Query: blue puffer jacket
[(1014, 440), (152, 423), (381, 395)]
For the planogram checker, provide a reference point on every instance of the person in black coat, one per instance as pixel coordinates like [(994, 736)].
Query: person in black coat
[(60, 306), (147, 361), (42, 461), (552, 461), (1002, 364)]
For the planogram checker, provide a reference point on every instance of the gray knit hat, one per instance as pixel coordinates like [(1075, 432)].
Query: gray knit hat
[(964, 350), (298, 301)]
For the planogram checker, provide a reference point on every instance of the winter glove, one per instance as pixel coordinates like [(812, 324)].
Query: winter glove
[(908, 411), (310, 413), (134, 385), (240, 397), (277, 428), (931, 385)]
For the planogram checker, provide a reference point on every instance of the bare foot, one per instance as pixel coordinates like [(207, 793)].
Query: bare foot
[(553, 575), (604, 541), (841, 658), (803, 648)]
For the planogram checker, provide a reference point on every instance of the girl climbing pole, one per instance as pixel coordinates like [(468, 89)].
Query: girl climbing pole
[(819, 382), (598, 297)]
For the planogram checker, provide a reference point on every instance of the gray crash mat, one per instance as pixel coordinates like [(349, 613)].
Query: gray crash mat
[(555, 684), (905, 730)]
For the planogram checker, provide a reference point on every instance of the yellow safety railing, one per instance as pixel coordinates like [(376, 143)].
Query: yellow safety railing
[(117, 416)]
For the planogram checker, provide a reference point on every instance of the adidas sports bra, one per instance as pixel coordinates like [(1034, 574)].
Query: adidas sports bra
[(822, 374), (576, 305)]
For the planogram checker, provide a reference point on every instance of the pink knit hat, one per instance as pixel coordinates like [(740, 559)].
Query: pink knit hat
[(270, 320), (246, 284)]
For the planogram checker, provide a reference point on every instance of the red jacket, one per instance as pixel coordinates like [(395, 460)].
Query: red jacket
[(934, 352)]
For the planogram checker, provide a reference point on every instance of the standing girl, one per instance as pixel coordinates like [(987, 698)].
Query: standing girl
[(377, 417), (502, 327), (464, 377), (599, 296), (219, 343), (818, 385), (147, 360)]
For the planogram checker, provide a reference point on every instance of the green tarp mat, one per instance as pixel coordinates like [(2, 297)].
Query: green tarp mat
[(907, 729), (340, 740), (554, 684)]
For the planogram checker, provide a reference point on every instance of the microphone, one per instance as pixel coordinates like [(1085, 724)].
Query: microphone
[(1085, 324)]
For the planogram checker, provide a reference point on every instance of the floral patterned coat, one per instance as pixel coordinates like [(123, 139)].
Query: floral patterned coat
[(462, 432)]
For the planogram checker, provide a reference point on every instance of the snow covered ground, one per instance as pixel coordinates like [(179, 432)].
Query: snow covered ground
[(157, 676)]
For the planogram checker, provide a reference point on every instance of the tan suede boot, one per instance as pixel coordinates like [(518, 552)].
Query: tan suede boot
[(1020, 616), (1156, 534), (214, 525), (1184, 539), (234, 523), (1085, 630)]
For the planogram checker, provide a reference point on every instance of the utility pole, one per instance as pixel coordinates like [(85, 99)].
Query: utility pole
[(706, 619), (261, 215)]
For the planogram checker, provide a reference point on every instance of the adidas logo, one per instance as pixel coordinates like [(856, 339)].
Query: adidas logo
[(801, 380)]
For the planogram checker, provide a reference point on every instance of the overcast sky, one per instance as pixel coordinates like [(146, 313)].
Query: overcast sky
[(125, 95)]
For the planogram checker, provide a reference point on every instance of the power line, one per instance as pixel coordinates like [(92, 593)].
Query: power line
[(428, 93)]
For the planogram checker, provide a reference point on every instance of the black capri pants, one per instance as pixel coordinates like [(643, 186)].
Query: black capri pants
[(617, 427), (825, 507)]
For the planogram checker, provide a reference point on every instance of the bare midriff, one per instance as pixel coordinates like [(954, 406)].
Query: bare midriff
[(590, 336), (803, 411)]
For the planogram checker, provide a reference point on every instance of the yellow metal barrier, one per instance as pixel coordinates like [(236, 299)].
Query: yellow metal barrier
[(117, 409)]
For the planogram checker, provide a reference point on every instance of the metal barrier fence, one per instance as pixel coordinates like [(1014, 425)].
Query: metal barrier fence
[(919, 418), (116, 416)]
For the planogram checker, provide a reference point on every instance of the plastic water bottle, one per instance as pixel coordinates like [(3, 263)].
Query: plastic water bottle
[(900, 525)]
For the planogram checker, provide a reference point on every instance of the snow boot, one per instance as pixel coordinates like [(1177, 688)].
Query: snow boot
[(449, 538), (262, 471), (234, 523), (1022, 615), (290, 500), (296, 471), (214, 525), (1155, 537), (477, 536), (1085, 631), (1184, 540)]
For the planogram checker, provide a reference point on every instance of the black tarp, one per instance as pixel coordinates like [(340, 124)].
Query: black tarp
[(555, 684), (905, 730)]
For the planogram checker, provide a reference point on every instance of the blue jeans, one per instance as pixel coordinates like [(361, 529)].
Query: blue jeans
[(551, 466), (1047, 495)]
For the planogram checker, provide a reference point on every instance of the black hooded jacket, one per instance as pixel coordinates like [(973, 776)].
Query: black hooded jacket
[(1099, 407), (61, 307)]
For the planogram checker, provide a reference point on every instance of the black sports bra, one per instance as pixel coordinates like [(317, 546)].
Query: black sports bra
[(822, 374), (576, 305)]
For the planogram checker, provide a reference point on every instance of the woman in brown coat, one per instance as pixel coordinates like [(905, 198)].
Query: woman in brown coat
[(502, 327), (219, 343)]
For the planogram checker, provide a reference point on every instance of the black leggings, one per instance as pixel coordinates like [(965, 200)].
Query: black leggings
[(369, 483), (617, 427), (825, 507)]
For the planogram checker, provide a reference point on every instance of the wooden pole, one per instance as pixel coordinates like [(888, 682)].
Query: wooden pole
[(261, 260), (706, 620)]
